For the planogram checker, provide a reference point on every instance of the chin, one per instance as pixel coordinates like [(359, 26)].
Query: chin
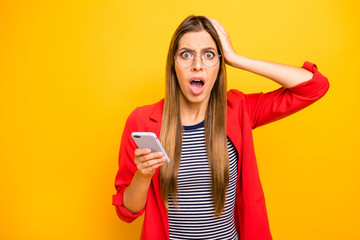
[(196, 99)]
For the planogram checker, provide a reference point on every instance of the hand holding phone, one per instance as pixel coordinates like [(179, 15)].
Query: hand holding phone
[(149, 155), (149, 140)]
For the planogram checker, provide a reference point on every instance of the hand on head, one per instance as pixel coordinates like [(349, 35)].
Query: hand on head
[(224, 36)]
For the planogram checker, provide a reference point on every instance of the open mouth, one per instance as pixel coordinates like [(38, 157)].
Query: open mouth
[(197, 86)]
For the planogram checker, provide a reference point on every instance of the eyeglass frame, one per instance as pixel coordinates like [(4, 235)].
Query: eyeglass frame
[(195, 55)]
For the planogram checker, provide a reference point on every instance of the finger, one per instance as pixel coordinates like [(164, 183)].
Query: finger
[(214, 21), (150, 156), (155, 165), (151, 170), (142, 151), (150, 163), (147, 166), (210, 19), (158, 165), (219, 27), (217, 24)]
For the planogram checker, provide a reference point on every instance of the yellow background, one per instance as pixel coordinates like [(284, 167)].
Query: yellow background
[(72, 71)]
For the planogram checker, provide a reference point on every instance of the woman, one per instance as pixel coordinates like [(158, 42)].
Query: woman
[(211, 187)]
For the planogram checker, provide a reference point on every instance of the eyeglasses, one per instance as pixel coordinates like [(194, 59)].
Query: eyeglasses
[(186, 59)]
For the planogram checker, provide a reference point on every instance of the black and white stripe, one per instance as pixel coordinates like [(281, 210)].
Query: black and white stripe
[(195, 217)]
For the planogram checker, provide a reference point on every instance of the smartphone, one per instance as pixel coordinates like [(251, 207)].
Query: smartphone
[(149, 140)]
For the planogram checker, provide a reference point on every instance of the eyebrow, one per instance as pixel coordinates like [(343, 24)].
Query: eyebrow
[(192, 50)]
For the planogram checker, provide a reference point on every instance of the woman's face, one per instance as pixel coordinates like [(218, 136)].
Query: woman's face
[(197, 81)]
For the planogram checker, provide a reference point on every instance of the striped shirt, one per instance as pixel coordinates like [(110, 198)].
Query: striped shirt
[(195, 217)]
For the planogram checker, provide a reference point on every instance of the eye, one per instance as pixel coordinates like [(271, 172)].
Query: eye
[(209, 55), (186, 55)]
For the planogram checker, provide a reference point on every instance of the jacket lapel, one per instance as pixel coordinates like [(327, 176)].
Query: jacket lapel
[(234, 132), (154, 125)]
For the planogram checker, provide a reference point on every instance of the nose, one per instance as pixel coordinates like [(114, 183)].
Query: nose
[(198, 65)]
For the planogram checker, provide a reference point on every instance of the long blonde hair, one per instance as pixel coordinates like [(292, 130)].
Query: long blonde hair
[(215, 121)]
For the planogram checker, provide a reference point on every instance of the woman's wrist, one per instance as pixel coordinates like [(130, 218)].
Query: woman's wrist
[(142, 178), (135, 194)]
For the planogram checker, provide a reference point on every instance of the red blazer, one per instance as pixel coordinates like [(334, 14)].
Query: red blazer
[(244, 113)]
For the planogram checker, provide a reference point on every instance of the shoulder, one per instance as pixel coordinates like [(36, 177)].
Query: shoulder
[(141, 115), (235, 97), (145, 110), (234, 93)]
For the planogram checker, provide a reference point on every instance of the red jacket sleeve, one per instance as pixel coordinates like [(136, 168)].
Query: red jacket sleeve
[(268, 107), (127, 169)]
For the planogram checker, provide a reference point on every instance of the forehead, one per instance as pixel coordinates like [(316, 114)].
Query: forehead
[(196, 40)]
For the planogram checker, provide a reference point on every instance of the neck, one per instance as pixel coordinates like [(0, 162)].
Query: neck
[(192, 113)]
